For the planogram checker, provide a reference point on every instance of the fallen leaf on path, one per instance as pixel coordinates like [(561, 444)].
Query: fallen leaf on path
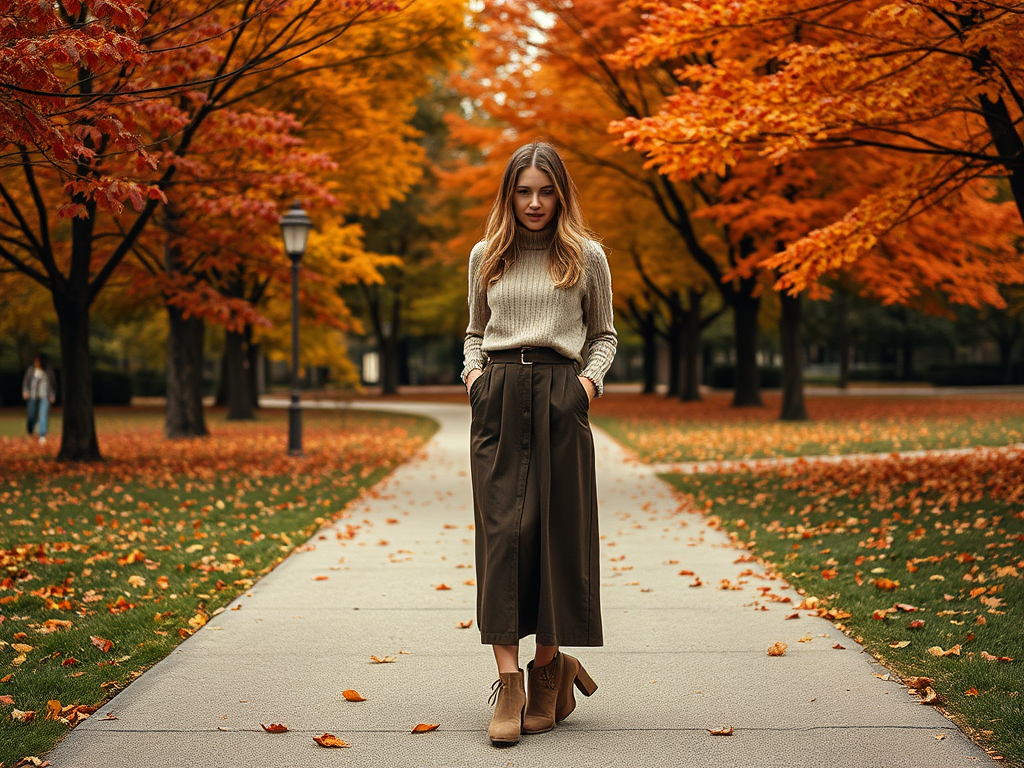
[(330, 740), (940, 736), (697, 582), (320, 578), (685, 572), (424, 727), (793, 616), (275, 728), (32, 760), (777, 649), (442, 587), (109, 716), (351, 695), (839, 647), (102, 643), (930, 696), (382, 659), (720, 731), (465, 624)]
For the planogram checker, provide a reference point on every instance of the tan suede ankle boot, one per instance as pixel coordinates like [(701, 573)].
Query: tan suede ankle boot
[(571, 672), (508, 695), (542, 695)]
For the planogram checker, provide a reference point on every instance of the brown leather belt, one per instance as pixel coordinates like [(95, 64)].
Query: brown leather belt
[(530, 356)]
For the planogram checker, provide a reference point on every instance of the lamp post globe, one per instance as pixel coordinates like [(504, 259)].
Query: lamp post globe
[(295, 226)]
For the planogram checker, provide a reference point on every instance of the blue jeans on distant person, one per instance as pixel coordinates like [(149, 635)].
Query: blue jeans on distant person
[(38, 413)]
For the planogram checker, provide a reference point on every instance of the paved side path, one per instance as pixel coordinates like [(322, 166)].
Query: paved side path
[(679, 659)]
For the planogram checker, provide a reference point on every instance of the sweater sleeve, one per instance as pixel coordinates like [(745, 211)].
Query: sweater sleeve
[(602, 339), (472, 354)]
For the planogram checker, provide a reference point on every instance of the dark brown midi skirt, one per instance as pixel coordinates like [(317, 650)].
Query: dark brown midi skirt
[(535, 502)]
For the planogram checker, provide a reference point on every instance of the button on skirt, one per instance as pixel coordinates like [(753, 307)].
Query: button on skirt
[(535, 505)]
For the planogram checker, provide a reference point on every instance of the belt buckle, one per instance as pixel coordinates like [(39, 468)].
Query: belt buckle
[(522, 355)]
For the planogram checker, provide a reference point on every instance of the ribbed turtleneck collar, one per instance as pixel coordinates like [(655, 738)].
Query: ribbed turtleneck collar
[(530, 240)]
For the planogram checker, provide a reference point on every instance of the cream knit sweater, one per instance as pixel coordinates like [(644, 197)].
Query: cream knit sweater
[(524, 309)]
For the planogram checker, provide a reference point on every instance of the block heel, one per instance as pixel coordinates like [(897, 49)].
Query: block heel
[(584, 682)]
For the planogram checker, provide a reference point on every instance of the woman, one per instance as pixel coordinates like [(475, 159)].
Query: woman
[(39, 390), (539, 342)]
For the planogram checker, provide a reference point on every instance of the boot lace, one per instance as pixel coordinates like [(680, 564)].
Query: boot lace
[(495, 690)]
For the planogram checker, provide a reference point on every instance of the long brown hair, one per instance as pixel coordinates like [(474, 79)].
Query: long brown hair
[(502, 244)]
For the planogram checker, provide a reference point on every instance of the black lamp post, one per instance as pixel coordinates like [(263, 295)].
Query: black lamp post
[(295, 226)]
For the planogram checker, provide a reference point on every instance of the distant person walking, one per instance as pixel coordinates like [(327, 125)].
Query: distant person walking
[(539, 342), (39, 390)]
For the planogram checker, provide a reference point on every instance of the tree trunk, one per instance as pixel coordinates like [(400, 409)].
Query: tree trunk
[(253, 352), (221, 398), (675, 344), (747, 387), (650, 337), (793, 406), (184, 416), (78, 433), (844, 340), (237, 378), (387, 339), (689, 359)]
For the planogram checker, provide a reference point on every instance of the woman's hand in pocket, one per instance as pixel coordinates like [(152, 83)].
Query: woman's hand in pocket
[(588, 387), (471, 377)]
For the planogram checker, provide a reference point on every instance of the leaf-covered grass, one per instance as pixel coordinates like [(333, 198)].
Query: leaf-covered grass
[(667, 430), (143, 548), (948, 535)]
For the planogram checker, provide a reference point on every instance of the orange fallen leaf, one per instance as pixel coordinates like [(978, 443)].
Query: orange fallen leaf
[(899, 644), (330, 740), (442, 587), (424, 727), (777, 649), (320, 578), (685, 572), (971, 692), (936, 650), (274, 728), (886, 584), (697, 582), (6, 699), (919, 682), (839, 647), (351, 695), (31, 761), (793, 616), (382, 659), (465, 624), (829, 573), (102, 643), (23, 717), (917, 623), (53, 708), (720, 731)]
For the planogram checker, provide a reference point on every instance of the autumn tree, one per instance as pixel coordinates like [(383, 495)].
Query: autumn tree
[(933, 88), (175, 68)]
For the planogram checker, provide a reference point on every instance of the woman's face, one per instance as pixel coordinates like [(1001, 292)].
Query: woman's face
[(535, 199)]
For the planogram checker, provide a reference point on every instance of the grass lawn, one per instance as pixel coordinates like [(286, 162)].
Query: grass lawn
[(940, 537), (664, 430), (107, 567)]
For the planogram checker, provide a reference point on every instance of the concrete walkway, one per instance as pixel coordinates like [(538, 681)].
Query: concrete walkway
[(678, 660)]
